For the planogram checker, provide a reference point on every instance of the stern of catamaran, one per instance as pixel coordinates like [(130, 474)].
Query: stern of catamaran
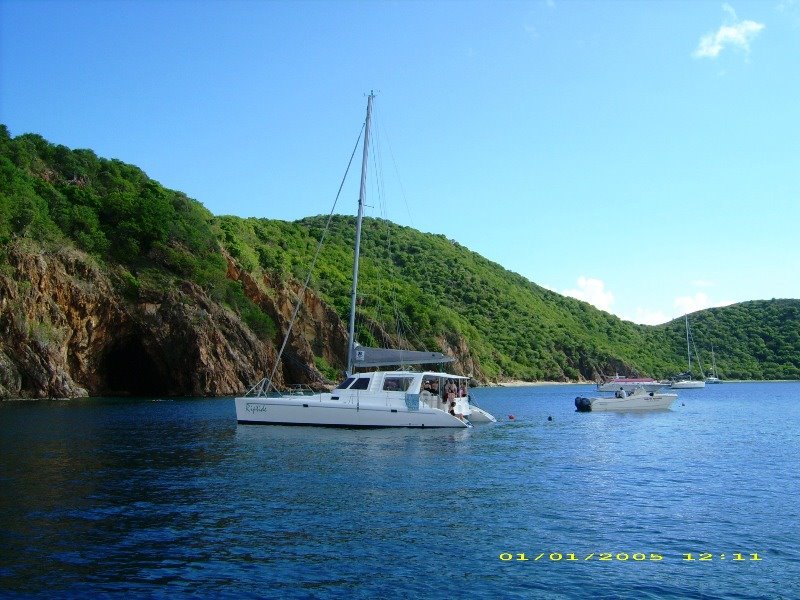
[(450, 393)]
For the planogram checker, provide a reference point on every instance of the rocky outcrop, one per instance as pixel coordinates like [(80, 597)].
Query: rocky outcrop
[(67, 331), (465, 363), (50, 304), (318, 331)]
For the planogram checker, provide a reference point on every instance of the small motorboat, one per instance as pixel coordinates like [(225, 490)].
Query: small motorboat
[(639, 399)]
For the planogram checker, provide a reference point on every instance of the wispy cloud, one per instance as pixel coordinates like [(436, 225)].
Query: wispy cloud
[(592, 291), (789, 9), (645, 316), (534, 17), (701, 300), (734, 33)]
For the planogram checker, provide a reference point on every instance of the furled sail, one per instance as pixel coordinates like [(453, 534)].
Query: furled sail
[(385, 357)]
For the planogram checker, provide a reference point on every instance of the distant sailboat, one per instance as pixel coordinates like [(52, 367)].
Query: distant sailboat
[(687, 382), (714, 377)]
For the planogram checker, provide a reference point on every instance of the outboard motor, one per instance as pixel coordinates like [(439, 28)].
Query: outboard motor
[(583, 404)]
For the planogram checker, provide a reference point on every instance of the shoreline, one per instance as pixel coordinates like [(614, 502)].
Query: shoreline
[(509, 384), (522, 383)]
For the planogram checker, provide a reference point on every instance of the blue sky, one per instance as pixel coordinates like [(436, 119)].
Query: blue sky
[(644, 156)]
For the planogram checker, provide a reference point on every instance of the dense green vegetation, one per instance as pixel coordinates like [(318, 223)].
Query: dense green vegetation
[(151, 235), (435, 287), (428, 288)]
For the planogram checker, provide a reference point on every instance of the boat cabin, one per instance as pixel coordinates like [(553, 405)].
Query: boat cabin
[(441, 384), (437, 390)]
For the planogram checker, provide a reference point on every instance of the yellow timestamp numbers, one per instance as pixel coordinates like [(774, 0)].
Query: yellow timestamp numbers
[(627, 556), (572, 556), (708, 556)]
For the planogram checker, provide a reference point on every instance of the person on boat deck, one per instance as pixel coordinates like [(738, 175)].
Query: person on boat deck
[(621, 393), (452, 410), (431, 386), (450, 389), (462, 390)]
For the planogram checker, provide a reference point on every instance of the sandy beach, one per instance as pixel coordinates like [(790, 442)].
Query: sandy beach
[(520, 383)]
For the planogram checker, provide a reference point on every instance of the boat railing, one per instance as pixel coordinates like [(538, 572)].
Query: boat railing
[(265, 388), (300, 389)]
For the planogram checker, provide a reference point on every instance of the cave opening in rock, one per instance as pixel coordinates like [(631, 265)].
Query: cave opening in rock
[(131, 371)]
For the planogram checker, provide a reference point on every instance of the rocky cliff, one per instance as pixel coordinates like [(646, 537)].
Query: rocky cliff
[(66, 330)]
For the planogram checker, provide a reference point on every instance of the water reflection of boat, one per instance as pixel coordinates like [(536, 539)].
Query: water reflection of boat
[(639, 399), (370, 399)]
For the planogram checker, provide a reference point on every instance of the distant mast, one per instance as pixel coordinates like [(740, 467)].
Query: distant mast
[(688, 350), (351, 338)]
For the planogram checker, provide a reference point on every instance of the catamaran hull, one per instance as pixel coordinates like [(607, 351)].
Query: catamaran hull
[(310, 410), (478, 415), (640, 402)]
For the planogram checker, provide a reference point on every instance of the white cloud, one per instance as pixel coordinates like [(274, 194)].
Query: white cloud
[(645, 316), (592, 291), (690, 304), (737, 34)]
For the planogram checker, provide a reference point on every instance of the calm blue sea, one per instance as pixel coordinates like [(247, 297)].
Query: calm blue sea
[(170, 498)]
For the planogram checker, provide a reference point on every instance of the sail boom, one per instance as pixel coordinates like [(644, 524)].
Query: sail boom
[(385, 357)]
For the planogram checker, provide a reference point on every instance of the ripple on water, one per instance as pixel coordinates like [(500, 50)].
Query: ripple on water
[(171, 497)]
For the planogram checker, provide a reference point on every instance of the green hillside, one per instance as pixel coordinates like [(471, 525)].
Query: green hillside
[(516, 328), (425, 287)]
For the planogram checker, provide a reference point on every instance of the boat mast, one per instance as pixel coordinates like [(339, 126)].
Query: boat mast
[(713, 361), (688, 351), (351, 338)]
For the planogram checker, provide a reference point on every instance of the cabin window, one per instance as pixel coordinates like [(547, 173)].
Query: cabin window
[(361, 383), (346, 383), (397, 384)]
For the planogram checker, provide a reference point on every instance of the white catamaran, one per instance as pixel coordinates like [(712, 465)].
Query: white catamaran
[(370, 399)]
